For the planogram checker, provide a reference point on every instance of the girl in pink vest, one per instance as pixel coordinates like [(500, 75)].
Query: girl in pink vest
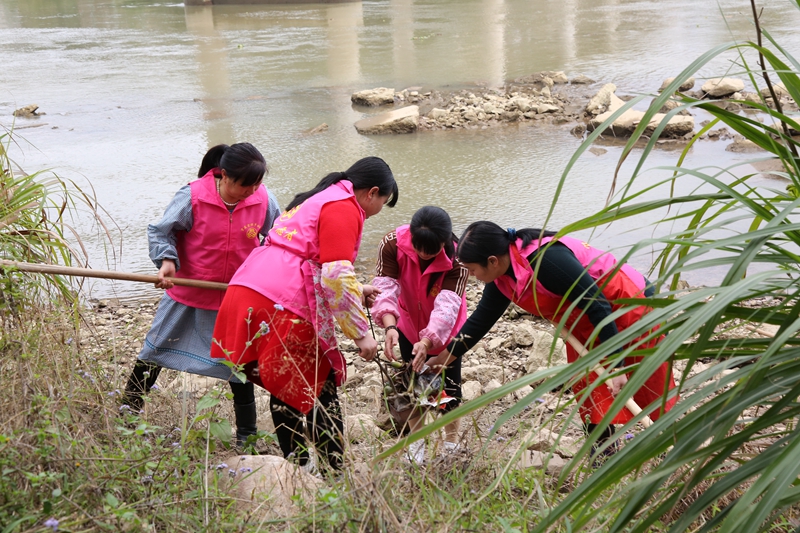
[(422, 303), (207, 231), (567, 271), (277, 318)]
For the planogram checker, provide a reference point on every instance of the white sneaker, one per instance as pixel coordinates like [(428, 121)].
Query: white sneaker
[(415, 454)]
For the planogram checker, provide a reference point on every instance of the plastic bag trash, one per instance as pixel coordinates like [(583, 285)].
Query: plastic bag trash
[(430, 392)]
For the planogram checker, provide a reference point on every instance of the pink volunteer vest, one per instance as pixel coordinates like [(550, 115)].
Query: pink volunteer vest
[(279, 270), (218, 242), (599, 264), (416, 302)]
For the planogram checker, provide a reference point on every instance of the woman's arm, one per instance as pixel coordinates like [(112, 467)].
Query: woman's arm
[(273, 212), (490, 308), (338, 236), (162, 237)]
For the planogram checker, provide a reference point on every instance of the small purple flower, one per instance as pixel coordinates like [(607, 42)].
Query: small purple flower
[(245, 470), (176, 444), (232, 473), (628, 436), (146, 374), (52, 523), (147, 479), (125, 407), (69, 341), (263, 328), (540, 400), (154, 387), (221, 466), (278, 307)]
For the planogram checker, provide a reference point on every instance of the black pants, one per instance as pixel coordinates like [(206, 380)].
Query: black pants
[(324, 422), (145, 374), (452, 374)]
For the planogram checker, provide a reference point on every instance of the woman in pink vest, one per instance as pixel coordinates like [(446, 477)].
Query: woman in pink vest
[(207, 231), (422, 303), (278, 315), (567, 271)]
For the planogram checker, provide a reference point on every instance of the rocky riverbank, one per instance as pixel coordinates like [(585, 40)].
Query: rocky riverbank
[(518, 344), (544, 98)]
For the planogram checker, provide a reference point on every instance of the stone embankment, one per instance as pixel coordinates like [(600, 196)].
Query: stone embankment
[(546, 98)]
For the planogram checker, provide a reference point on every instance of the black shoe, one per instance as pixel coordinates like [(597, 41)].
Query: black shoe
[(246, 424)]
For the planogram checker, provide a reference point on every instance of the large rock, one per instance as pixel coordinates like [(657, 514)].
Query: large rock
[(438, 114), (780, 91), (720, 87), (547, 108), (482, 373), (521, 103), (266, 484), (471, 390), (361, 427), (404, 120), (601, 102), (540, 353), (580, 79), (524, 334), (492, 385), (557, 76), (544, 440), (552, 464), (687, 85), (27, 111), (626, 123), (374, 97)]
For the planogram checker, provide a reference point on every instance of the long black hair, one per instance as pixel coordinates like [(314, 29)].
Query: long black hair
[(242, 162), (484, 239), (430, 229), (364, 174)]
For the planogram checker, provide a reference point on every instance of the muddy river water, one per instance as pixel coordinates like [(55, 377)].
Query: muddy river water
[(135, 91)]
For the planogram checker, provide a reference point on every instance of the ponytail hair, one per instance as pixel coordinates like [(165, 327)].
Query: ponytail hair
[(365, 173), (242, 162), (431, 228), (484, 239)]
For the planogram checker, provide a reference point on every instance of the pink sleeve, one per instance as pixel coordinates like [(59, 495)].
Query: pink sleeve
[(443, 319), (343, 293), (387, 302)]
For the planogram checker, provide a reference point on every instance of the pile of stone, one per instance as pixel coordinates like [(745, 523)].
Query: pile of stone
[(525, 99), (547, 98)]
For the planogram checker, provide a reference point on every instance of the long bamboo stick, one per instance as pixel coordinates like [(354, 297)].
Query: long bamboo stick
[(109, 274), (630, 403)]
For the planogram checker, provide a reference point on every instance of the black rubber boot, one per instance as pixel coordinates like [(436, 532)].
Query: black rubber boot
[(290, 431), (245, 422), (140, 382)]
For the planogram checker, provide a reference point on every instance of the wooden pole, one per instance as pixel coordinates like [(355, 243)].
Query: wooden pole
[(631, 404), (109, 274)]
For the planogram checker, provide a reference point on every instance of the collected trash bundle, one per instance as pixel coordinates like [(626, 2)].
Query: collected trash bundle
[(405, 391)]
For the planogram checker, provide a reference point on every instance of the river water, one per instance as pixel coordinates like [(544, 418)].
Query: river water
[(135, 91)]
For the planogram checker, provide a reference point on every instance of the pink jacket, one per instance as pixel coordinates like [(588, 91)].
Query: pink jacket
[(421, 312), (218, 242), (287, 270)]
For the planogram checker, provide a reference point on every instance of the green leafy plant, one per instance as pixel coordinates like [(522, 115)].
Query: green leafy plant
[(35, 215)]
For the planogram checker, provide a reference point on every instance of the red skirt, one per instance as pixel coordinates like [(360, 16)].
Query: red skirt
[(279, 349)]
